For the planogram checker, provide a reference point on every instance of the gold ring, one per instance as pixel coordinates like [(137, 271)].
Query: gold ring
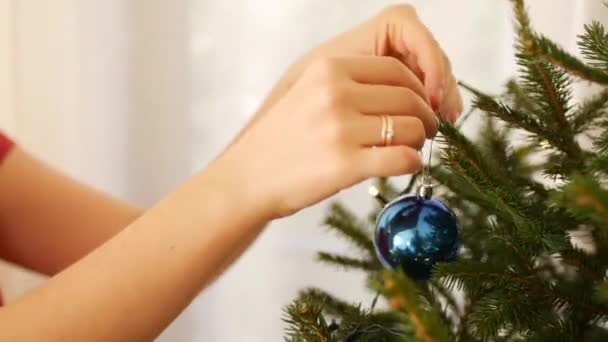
[(388, 131), (384, 128)]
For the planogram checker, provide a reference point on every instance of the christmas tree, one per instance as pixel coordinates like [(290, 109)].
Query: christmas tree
[(519, 275)]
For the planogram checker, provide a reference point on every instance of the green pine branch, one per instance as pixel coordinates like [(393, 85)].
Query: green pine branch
[(403, 295), (439, 290), (459, 152), (476, 278), (468, 164), (347, 225), (306, 323), (510, 163), (600, 142), (596, 334), (594, 45), (566, 331), (329, 303), (536, 127), (598, 164), (547, 85), (589, 111), (587, 265), (356, 324), (521, 18), (505, 113), (348, 262), (386, 188), (545, 49), (441, 300), (519, 99), (602, 292), (586, 199), (495, 147), (516, 311), (515, 117), (380, 327)]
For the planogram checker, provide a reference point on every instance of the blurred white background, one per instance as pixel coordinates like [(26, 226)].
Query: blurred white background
[(135, 96)]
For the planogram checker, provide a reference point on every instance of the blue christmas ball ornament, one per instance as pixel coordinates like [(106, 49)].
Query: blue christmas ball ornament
[(415, 232)]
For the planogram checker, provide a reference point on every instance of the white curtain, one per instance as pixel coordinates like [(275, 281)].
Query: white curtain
[(135, 96)]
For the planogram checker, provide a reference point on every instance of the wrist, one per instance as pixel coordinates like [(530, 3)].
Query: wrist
[(226, 181)]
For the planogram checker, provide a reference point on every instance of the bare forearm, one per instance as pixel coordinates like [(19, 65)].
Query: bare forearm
[(49, 220), (134, 285), (310, 144)]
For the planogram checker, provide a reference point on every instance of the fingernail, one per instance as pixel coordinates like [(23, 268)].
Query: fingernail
[(454, 116)]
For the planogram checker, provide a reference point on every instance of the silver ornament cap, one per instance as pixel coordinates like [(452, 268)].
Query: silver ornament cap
[(425, 191)]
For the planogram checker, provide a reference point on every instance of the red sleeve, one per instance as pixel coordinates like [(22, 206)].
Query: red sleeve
[(5, 146)]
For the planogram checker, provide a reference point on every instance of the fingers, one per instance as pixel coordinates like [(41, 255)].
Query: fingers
[(411, 61), (387, 161), (429, 56), (380, 70), (452, 104), (410, 38), (392, 100), (375, 85), (367, 131)]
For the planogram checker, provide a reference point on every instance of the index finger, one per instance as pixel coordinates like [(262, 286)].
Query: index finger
[(408, 35), (383, 71)]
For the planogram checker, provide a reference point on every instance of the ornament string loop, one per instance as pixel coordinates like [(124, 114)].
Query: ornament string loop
[(425, 187), (416, 231)]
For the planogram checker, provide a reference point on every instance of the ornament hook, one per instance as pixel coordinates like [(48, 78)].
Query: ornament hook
[(425, 188)]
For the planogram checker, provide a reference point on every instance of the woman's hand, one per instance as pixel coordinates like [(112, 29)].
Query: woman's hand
[(398, 32), (319, 138)]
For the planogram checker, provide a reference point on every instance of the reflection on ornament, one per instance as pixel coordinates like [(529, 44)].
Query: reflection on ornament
[(414, 232)]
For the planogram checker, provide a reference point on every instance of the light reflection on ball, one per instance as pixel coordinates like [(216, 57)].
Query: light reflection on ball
[(416, 233)]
